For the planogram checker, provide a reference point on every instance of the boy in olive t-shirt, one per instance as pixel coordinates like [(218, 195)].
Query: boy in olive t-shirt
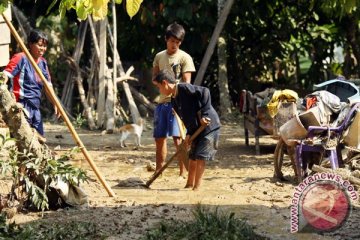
[(181, 63)]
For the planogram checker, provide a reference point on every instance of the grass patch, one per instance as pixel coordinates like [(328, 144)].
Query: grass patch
[(36, 231), (206, 225)]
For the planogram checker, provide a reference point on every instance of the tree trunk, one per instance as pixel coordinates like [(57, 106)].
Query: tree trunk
[(225, 103), (13, 116), (113, 96), (91, 96), (109, 104), (352, 33)]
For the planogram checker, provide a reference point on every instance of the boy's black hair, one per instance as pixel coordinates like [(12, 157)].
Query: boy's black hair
[(175, 30), (36, 35), (165, 74)]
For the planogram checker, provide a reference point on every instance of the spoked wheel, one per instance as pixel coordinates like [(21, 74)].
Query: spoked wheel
[(279, 159)]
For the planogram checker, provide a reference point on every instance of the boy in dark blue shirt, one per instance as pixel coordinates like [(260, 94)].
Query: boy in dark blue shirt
[(193, 105)]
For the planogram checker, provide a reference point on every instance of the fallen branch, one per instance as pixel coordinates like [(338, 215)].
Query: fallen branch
[(127, 76), (141, 98)]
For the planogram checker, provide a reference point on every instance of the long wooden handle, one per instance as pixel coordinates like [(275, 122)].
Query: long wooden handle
[(157, 174), (59, 107), (180, 125)]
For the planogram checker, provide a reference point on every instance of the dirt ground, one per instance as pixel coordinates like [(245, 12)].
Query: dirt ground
[(237, 181)]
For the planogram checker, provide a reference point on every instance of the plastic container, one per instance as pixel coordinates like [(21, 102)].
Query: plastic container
[(310, 117), (293, 130)]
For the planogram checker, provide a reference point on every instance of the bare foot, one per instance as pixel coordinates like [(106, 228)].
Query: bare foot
[(181, 178), (41, 139), (196, 188), (188, 186)]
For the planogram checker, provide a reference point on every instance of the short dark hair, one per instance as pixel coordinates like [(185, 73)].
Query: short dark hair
[(165, 74), (175, 30), (36, 35)]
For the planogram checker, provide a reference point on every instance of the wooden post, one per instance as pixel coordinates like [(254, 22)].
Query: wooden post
[(93, 34), (114, 59), (68, 89), (59, 107), (214, 38), (102, 73)]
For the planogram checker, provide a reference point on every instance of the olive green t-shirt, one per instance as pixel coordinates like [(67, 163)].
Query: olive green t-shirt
[(179, 63)]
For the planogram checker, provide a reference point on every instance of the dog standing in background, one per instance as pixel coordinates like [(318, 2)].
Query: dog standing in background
[(135, 129)]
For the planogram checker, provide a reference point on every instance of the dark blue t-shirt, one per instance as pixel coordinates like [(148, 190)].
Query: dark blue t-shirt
[(25, 82), (192, 103)]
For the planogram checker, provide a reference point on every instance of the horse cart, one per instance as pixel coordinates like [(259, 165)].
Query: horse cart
[(258, 120)]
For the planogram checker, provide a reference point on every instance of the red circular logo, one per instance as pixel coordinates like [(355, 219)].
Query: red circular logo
[(325, 206)]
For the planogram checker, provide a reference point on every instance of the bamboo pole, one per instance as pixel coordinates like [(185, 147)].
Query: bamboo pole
[(59, 107)]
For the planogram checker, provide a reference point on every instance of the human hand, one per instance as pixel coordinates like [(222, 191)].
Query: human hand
[(205, 121), (186, 142), (57, 112)]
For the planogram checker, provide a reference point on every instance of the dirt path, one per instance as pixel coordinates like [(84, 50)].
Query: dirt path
[(237, 181)]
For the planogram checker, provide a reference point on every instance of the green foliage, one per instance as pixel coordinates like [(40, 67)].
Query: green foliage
[(97, 8), (132, 7), (2, 78), (8, 231), (4, 5), (207, 225), (33, 175), (37, 231), (80, 121), (339, 8)]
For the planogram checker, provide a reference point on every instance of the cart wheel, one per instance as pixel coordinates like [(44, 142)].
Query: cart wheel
[(279, 158)]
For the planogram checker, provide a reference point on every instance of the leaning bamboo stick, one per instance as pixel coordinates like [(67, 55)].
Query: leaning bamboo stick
[(59, 107)]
